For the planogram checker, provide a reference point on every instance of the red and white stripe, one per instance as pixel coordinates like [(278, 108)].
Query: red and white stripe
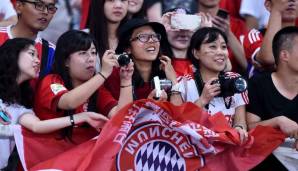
[(254, 36)]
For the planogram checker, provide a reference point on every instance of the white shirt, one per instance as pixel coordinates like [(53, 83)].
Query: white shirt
[(7, 144), (255, 8), (190, 93), (6, 10)]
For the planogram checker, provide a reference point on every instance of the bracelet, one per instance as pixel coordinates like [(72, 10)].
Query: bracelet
[(105, 78), (175, 92), (72, 120), (124, 86), (239, 126)]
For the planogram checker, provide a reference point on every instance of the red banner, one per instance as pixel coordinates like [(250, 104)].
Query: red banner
[(149, 135)]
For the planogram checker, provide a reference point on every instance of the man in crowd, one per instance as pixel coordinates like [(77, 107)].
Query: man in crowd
[(273, 96), (33, 16)]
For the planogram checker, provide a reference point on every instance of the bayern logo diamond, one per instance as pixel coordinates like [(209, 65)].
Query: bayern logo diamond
[(159, 156)]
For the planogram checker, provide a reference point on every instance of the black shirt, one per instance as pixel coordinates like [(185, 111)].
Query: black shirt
[(266, 101)]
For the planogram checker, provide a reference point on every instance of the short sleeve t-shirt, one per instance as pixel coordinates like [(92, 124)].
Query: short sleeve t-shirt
[(266, 101), (190, 93), (14, 112), (48, 92)]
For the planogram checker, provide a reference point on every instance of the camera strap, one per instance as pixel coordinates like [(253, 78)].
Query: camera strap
[(228, 101)]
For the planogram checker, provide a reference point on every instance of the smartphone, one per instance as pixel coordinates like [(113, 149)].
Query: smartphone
[(222, 14), (4, 116), (185, 21)]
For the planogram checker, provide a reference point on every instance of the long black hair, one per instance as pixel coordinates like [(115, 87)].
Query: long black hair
[(97, 23), (201, 36), (10, 91), (70, 42)]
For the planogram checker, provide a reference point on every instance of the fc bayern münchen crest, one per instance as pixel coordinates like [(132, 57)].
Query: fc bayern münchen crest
[(152, 147)]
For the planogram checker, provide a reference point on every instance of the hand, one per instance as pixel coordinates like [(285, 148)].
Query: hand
[(95, 120), (243, 134), (288, 126), (209, 92), (166, 21), (167, 67), (163, 95), (206, 19), (108, 62), (222, 24), (126, 73)]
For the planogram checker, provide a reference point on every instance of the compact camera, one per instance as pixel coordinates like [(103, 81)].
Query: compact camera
[(123, 59), (185, 21), (230, 85), (161, 84)]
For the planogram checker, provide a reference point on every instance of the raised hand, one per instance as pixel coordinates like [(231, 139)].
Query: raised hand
[(108, 62), (167, 67)]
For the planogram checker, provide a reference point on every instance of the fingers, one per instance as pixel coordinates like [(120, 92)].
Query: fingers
[(163, 96), (243, 135), (152, 94)]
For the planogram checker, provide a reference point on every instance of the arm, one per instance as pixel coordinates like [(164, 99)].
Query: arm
[(82, 93), (167, 66), (240, 123), (125, 96), (265, 55), (237, 50), (233, 43), (154, 12), (285, 124), (251, 22), (33, 123)]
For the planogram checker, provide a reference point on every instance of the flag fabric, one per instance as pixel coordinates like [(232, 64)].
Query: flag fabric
[(150, 135)]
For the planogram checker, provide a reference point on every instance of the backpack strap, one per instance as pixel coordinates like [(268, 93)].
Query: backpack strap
[(44, 67)]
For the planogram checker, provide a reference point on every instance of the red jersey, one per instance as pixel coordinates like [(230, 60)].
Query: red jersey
[(232, 6), (112, 84), (5, 34), (182, 67), (252, 42), (48, 93)]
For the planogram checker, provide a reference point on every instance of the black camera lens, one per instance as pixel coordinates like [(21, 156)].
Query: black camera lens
[(240, 85), (231, 85), (123, 59)]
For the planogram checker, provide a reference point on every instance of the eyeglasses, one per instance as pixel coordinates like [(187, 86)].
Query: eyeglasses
[(144, 38), (39, 5)]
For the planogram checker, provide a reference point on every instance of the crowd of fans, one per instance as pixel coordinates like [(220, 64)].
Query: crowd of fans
[(60, 67)]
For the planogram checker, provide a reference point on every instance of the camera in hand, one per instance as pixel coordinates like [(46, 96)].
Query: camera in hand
[(230, 85), (165, 84), (123, 59), (161, 84)]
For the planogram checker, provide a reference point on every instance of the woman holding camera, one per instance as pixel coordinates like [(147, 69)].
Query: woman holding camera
[(208, 54), (18, 65), (72, 86), (144, 42)]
